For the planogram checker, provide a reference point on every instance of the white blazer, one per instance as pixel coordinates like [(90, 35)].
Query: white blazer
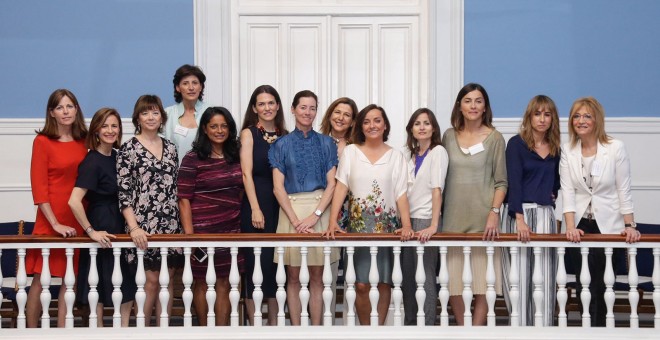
[(610, 195)]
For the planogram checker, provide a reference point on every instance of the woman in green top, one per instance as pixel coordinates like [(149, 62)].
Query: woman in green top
[(474, 190)]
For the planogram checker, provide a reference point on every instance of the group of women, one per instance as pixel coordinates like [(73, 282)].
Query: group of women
[(205, 177)]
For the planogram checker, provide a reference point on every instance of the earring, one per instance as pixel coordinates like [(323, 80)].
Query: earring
[(97, 137), (139, 127)]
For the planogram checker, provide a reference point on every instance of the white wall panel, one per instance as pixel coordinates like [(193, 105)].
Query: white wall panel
[(352, 62)]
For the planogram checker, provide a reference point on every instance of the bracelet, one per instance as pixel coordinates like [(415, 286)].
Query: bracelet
[(132, 229), (89, 230)]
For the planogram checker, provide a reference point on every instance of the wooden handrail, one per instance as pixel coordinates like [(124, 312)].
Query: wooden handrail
[(317, 237)]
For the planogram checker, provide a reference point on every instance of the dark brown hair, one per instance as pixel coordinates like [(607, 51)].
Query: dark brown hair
[(92, 141), (50, 130), (148, 102), (184, 71), (251, 117), (411, 142), (457, 119), (358, 134)]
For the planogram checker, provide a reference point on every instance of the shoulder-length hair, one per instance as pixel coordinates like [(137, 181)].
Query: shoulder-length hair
[(251, 118), (552, 137), (326, 127), (411, 142), (50, 130), (202, 144), (598, 115), (92, 141), (148, 102), (457, 119), (184, 71), (358, 134)]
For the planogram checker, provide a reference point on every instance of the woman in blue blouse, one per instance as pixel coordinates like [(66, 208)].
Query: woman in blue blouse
[(532, 162), (304, 164)]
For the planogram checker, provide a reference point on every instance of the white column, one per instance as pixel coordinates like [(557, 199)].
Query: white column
[(45, 291), (234, 279), (69, 294), (633, 281), (327, 291), (420, 293), (444, 287), (491, 295), (210, 287), (21, 295), (514, 291), (280, 295), (656, 286), (117, 295), (93, 280), (609, 284), (257, 294), (140, 295), (373, 291), (397, 278), (467, 286), (164, 294), (585, 280), (350, 287), (562, 294), (304, 290), (537, 279), (187, 295)]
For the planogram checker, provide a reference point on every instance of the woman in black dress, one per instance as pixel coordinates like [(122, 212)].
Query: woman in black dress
[(97, 183), (262, 125)]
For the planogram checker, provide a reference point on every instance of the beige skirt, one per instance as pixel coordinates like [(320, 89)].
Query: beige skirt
[(479, 265), (304, 204)]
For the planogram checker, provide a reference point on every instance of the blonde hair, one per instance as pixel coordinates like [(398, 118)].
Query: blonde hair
[(598, 115)]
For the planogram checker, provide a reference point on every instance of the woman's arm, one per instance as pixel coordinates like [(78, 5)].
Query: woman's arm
[(186, 216), (403, 206), (75, 203), (340, 192), (310, 221), (248, 180), (283, 199), (568, 198), (492, 230)]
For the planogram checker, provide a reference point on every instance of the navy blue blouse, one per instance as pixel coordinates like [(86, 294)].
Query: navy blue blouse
[(304, 161), (532, 179)]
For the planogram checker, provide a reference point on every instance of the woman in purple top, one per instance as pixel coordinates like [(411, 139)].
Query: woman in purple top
[(210, 188), (532, 162)]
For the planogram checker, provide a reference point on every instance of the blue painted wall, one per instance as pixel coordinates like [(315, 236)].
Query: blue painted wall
[(609, 49), (108, 52)]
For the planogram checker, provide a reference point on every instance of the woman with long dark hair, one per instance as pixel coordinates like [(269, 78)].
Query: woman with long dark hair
[(210, 186)]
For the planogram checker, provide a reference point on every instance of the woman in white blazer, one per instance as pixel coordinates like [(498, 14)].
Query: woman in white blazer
[(595, 180)]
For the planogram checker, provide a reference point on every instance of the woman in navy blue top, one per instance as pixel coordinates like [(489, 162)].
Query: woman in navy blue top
[(532, 162)]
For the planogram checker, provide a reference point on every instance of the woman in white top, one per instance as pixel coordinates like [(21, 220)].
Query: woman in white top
[(427, 168), (181, 128), (594, 172)]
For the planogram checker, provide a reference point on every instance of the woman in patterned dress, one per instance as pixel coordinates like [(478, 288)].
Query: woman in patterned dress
[(375, 176), (210, 188), (147, 169)]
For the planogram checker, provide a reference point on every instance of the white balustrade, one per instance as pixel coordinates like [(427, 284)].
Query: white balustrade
[(93, 280), (257, 280), (304, 290), (397, 278), (467, 286), (234, 294), (164, 281), (187, 294), (537, 280), (210, 286), (140, 295), (585, 280), (327, 290), (349, 277), (280, 295), (633, 281), (491, 295), (45, 288), (443, 296), (373, 291), (608, 278), (117, 295), (69, 294), (420, 294), (514, 281), (562, 293)]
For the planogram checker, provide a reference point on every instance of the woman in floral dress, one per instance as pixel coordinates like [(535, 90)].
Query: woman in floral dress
[(147, 169), (375, 177)]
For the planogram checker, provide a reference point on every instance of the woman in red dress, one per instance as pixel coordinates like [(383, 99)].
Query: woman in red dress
[(57, 150)]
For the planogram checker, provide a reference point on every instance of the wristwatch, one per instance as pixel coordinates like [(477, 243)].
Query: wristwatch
[(631, 225), (495, 210), (318, 212)]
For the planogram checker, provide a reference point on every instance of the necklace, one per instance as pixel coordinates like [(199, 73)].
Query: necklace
[(269, 137), (217, 154)]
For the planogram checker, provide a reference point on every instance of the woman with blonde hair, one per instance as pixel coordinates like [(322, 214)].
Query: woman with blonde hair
[(595, 182), (532, 162)]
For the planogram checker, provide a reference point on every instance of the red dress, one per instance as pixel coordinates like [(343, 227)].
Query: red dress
[(53, 174)]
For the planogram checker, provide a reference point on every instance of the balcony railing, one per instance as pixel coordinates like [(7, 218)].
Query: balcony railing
[(349, 242)]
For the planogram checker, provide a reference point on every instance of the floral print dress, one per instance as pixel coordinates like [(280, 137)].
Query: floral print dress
[(148, 185)]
